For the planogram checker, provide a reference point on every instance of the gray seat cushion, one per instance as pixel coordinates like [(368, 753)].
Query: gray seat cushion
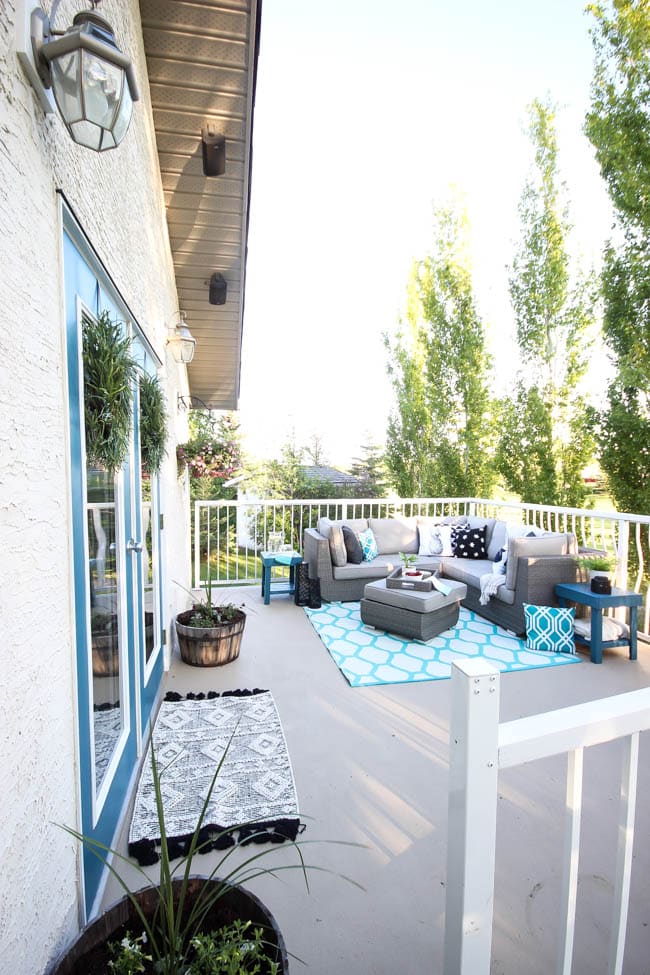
[(468, 571), (416, 602)]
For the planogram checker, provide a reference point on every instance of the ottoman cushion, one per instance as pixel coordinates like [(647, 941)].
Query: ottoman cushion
[(415, 601)]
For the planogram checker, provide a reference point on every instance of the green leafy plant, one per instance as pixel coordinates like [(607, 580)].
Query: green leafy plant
[(207, 613), (128, 955), (153, 423), (408, 560), (109, 375), (233, 949), (596, 563)]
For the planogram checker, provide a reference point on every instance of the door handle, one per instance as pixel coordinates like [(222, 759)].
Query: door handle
[(133, 546)]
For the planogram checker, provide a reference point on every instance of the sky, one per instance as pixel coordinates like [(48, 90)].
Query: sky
[(366, 114)]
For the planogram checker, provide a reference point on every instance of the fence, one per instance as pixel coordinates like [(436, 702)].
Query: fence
[(228, 535), (479, 747)]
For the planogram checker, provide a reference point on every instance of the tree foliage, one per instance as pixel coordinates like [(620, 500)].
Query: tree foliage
[(546, 426), (618, 125), (439, 432), (370, 469)]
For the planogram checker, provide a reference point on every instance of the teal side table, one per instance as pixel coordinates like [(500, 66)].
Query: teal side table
[(580, 592), (272, 587)]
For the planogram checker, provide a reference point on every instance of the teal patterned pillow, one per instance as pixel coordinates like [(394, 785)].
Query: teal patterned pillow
[(549, 628), (368, 544)]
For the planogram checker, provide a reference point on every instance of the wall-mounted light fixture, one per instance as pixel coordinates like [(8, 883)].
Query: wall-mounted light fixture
[(213, 145), (218, 289), (93, 83), (182, 341)]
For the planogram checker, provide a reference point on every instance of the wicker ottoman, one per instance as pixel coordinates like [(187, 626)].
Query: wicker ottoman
[(418, 615)]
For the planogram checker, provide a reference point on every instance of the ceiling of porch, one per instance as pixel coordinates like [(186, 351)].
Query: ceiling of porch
[(201, 62)]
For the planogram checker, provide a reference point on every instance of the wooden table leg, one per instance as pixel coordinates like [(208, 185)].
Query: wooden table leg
[(633, 631), (596, 641)]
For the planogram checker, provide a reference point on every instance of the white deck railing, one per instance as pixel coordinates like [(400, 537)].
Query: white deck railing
[(479, 748), (228, 535)]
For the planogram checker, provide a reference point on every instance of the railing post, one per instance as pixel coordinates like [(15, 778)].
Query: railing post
[(623, 553), (471, 842)]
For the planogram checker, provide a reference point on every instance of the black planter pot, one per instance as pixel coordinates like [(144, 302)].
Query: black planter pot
[(88, 955)]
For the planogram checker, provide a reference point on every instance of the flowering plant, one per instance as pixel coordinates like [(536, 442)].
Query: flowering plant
[(212, 451)]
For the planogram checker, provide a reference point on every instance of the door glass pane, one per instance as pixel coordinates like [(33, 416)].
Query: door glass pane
[(107, 638), (150, 603)]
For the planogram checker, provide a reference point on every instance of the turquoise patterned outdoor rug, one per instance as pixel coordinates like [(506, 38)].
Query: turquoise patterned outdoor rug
[(366, 656)]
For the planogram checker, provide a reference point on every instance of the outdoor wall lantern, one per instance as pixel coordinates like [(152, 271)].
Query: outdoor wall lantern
[(182, 341), (93, 83)]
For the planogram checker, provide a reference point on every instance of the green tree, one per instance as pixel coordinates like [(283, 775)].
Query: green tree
[(546, 436), (618, 125), (370, 469), (439, 432)]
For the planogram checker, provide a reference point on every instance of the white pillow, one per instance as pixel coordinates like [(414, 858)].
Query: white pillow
[(430, 543), (444, 534)]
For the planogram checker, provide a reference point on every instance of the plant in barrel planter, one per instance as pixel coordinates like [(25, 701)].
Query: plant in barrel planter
[(184, 925), (210, 634)]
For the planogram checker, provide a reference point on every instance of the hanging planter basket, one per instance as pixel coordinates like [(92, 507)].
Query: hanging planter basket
[(109, 374), (153, 423)]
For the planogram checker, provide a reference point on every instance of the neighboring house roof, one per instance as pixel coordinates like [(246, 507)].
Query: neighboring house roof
[(202, 65), (321, 473)]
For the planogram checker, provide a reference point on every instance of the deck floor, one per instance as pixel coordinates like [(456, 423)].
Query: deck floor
[(371, 768)]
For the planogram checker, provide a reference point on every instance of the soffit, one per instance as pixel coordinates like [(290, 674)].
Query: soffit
[(201, 63)]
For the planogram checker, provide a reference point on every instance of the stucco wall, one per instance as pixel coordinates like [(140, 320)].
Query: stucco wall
[(118, 200)]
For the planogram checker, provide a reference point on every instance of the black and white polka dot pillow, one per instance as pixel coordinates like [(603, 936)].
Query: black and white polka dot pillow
[(468, 543)]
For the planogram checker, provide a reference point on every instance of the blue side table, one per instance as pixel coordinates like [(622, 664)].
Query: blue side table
[(580, 592), (272, 587)]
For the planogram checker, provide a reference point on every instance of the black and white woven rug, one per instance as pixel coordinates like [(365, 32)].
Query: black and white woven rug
[(254, 791)]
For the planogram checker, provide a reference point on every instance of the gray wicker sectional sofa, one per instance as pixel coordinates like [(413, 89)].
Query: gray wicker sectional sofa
[(535, 563)]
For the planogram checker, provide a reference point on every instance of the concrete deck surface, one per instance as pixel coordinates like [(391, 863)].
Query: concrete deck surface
[(371, 767)]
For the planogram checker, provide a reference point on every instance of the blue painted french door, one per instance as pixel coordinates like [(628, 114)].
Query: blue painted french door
[(117, 582)]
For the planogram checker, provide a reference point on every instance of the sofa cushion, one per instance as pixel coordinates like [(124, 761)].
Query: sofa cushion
[(368, 544), (379, 568), (468, 542), (324, 525), (549, 629), (395, 534), (468, 571), (338, 552), (529, 548), (352, 545), (497, 540)]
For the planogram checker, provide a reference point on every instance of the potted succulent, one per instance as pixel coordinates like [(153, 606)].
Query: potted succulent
[(409, 567), (600, 568), (210, 634), (183, 925)]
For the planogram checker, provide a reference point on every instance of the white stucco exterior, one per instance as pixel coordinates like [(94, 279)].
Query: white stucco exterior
[(117, 199)]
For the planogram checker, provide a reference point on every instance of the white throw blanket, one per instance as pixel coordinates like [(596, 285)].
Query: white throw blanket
[(491, 582)]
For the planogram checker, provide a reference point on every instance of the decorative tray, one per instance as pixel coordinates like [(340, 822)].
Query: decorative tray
[(397, 581)]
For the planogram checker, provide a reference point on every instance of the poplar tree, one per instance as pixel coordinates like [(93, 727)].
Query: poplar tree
[(547, 427), (618, 125), (439, 431)]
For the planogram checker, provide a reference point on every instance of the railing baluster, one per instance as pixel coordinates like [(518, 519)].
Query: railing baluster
[(571, 858), (629, 775)]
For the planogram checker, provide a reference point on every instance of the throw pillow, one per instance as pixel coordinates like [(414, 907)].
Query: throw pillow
[(500, 563), (368, 545), (444, 534), (430, 543), (469, 543), (337, 546), (549, 628), (352, 546)]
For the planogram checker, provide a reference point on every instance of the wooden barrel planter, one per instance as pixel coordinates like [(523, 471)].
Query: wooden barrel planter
[(209, 646), (89, 954)]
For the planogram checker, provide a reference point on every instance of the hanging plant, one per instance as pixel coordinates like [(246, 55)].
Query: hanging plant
[(153, 423), (109, 373)]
